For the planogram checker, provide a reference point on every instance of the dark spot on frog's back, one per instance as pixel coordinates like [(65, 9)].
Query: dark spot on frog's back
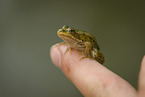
[(83, 37), (93, 40), (90, 37), (83, 33)]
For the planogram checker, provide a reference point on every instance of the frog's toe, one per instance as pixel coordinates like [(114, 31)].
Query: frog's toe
[(87, 57)]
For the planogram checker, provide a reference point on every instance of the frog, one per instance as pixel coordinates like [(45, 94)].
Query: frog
[(81, 41)]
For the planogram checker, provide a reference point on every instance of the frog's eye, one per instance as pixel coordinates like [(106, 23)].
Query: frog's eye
[(71, 31)]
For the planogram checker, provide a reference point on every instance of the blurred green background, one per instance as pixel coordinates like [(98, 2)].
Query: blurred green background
[(28, 30)]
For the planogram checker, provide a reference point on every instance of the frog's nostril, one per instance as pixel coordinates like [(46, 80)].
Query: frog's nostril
[(65, 27), (60, 30)]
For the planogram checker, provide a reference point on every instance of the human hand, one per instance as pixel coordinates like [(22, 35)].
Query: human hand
[(92, 78)]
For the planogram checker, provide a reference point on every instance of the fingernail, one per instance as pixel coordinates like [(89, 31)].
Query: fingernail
[(55, 56)]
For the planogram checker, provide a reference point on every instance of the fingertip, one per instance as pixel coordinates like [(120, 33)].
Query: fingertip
[(89, 76), (143, 63), (56, 54), (143, 60), (142, 78)]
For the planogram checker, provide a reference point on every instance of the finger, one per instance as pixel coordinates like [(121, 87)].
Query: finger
[(89, 76), (142, 79)]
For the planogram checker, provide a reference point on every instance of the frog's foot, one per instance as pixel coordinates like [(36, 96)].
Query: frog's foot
[(87, 57), (100, 58), (68, 50)]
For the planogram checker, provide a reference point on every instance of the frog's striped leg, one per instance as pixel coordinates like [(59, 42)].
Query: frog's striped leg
[(87, 51), (97, 55), (100, 58), (88, 46)]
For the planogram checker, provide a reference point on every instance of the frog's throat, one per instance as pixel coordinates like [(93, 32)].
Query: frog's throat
[(68, 37)]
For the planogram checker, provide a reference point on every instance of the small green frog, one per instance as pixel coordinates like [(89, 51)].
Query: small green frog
[(82, 41)]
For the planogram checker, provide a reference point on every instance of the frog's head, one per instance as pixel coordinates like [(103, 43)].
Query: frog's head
[(68, 34)]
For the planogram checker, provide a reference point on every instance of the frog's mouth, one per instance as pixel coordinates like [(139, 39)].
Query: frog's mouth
[(67, 37)]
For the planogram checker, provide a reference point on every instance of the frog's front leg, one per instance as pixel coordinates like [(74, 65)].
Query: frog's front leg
[(65, 44)]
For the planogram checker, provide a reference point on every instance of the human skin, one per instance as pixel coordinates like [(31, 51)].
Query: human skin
[(93, 79)]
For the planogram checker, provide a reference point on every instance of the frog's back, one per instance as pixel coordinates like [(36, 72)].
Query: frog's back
[(87, 37)]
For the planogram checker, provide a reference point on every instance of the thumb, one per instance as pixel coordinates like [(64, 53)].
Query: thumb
[(142, 79), (89, 76)]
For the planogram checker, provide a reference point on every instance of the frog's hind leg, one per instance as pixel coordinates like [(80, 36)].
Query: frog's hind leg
[(98, 56), (88, 48), (87, 51)]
